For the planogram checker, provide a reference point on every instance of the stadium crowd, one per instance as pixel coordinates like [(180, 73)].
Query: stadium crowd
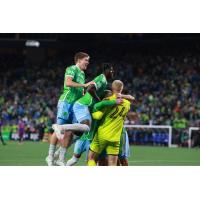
[(166, 88)]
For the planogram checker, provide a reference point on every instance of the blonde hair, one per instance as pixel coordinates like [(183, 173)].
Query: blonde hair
[(117, 86)]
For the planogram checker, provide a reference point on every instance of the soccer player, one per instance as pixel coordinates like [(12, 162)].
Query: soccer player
[(74, 84), (93, 94), (81, 108), (109, 132), (83, 143), (1, 136)]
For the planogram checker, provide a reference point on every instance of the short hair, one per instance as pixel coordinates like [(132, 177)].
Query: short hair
[(117, 85), (80, 55), (107, 93), (106, 66)]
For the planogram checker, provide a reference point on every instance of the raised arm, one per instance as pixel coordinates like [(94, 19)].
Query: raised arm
[(92, 90)]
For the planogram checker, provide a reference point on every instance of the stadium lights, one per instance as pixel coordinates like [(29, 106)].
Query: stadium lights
[(32, 43)]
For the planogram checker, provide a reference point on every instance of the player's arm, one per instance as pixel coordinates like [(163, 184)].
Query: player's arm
[(98, 107), (101, 105), (92, 90), (69, 76), (70, 83), (127, 97)]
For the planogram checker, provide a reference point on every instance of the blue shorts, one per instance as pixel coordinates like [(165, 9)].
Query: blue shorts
[(124, 145), (81, 112), (65, 113), (81, 146)]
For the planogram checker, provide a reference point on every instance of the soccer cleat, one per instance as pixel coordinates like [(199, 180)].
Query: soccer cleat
[(60, 163), (71, 162), (49, 161)]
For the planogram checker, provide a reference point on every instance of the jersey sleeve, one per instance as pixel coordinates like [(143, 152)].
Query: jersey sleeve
[(70, 71), (100, 105), (98, 82)]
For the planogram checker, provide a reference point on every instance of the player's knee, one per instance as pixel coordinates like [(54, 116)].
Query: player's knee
[(86, 122)]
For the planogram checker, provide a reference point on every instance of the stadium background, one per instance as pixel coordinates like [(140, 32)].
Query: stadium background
[(161, 70)]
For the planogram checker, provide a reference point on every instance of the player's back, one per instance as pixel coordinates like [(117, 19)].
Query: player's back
[(113, 121)]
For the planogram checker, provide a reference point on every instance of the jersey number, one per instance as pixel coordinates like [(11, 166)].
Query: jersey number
[(118, 112)]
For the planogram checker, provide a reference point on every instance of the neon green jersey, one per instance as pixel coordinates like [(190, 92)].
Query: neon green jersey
[(71, 94), (100, 106), (100, 84), (112, 123)]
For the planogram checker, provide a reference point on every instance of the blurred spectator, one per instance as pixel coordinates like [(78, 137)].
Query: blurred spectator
[(165, 84), (21, 130)]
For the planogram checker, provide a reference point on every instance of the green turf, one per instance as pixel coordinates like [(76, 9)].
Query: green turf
[(34, 153)]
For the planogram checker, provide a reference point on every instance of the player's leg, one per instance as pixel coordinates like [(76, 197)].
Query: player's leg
[(92, 158), (96, 147), (82, 114), (87, 148), (83, 120), (63, 110), (124, 149), (123, 161), (93, 152), (103, 159), (67, 139), (112, 160), (64, 145), (57, 152), (79, 148), (112, 151)]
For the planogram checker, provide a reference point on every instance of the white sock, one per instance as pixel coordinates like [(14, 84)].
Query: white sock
[(62, 154), (56, 154), (72, 161), (52, 149), (74, 127)]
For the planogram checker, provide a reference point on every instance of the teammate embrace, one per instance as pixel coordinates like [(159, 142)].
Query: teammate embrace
[(74, 118)]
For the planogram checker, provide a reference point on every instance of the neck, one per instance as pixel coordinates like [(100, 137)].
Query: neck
[(116, 92), (78, 66)]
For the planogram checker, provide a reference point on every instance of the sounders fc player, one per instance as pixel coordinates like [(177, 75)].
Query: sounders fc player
[(74, 84)]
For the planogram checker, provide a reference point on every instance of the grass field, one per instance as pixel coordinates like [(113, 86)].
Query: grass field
[(34, 153)]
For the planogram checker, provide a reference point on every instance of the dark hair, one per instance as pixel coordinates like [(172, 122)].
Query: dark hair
[(106, 66), (80, 55)]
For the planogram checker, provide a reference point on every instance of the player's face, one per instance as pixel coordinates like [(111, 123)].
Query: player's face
[(110, 73), (83, 63)]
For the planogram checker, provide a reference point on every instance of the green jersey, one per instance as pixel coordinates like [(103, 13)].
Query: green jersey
[(100, 84), (95, 123), (71, 94)]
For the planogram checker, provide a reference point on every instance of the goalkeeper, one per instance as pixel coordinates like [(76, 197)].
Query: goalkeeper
[(83, 143)]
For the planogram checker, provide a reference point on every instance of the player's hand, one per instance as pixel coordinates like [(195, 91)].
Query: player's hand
[(130, 97), (119, 101), (118, 95), (89, 83)]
